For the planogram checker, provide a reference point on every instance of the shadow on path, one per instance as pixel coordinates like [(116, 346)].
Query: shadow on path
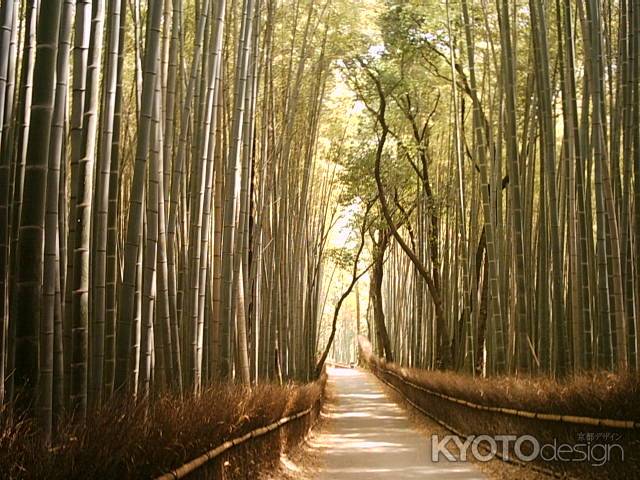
[(368, 436)]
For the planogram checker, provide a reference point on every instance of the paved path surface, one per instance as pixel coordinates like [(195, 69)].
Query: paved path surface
[(369, 437)]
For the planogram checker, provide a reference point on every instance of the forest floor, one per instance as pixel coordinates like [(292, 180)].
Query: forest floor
[(367, 432)]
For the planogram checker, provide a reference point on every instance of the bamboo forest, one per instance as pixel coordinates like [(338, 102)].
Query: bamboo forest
[(319, 239)]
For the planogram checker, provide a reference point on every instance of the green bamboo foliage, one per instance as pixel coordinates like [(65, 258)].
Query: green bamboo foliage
[(551, 286)]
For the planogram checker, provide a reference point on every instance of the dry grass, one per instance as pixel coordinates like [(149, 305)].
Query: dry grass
[(595, 394), (128, 439)]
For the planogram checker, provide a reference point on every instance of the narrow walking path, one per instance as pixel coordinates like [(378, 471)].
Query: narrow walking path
[(368, 436)]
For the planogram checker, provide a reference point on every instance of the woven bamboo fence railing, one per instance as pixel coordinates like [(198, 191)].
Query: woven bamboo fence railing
[(187, 468)]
